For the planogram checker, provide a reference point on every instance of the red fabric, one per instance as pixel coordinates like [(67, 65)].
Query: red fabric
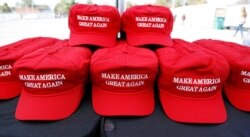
[(238, 98), (93, 25), (48, 107), (153, 23), (9, 90), (9, 86), (197, 110), (107, 103), (190, 83), (123, 80), (52, 80), (237, 87)]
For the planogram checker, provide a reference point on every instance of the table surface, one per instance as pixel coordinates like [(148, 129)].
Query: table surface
[(83, 123), (159, 125)]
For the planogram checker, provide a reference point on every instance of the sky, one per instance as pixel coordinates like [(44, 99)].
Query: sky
[(52, 3)]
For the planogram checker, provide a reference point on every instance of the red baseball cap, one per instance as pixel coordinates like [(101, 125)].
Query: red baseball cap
[(123, 80), (9, 85), (190, 82), (93, 25), (52, 79), (237, 87), (148, 24)]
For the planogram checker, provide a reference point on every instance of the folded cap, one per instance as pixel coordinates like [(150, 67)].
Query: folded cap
[(190, 83), (9, 85), (93, 25), (237, 87), (123, 80), (148, 24), (52, 79)]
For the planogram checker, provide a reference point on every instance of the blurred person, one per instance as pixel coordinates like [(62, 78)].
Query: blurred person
[(242, 21), (183, 18)]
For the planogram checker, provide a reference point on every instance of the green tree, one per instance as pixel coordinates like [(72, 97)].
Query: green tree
[(27, 3), (89, 2), (167, 3), (5, 8), (129, 4), (196, 2), (63, 6), (179, 3)]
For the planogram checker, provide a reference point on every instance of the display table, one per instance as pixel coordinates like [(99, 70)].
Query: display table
[(83, 123), (158, 125), (86, 123)]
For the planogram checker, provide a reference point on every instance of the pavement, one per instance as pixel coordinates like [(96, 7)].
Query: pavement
[(12, 31)]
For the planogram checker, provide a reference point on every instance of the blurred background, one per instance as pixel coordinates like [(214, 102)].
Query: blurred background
[(194, 19)]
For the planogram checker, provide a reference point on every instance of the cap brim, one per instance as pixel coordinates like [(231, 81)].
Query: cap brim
[(92, 39), (131, 104), (186, 110), (148, 39), (9, 90), (238, 98), (50, 107)]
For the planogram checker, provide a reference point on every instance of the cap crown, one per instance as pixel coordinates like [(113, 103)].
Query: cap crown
[(94, 19), (191, 72), (238, 59), (123, 69), (53, 70), (147, 19), (12, 52)]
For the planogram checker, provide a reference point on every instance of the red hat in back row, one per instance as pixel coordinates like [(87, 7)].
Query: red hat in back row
[(94, 25), (148, 24), (99, 25)]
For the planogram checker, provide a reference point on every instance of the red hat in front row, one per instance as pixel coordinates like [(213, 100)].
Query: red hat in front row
[(93, 25), (9, 54), (123, 80), (237, 87), (52, 79), (148, 24), (190, 83)]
